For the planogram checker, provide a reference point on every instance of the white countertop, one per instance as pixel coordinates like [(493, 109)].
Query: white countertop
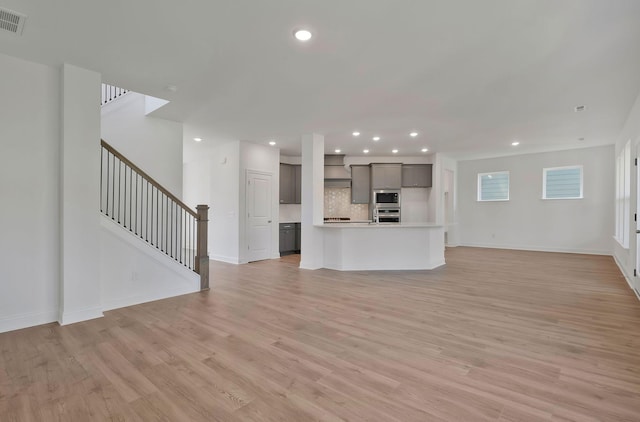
[(374, 225)]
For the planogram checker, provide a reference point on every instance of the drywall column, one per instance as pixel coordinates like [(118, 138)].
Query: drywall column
[(312, 242), (79, 208)]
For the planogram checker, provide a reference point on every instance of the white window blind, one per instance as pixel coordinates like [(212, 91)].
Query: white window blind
[(493, 186), (562, 183)]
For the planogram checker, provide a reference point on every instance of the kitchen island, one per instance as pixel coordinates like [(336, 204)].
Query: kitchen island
[(384, 246)]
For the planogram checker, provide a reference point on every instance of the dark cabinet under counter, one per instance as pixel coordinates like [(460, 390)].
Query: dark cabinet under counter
[(289, 238)]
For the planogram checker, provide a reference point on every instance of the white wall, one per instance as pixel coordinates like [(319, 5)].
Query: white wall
[(80, 195), (528, 222), (224, 191), (29, 185), (212, 177), (626, 258), (131, 272), (449, 199), (312, 237), (153, 144), (263, 159)]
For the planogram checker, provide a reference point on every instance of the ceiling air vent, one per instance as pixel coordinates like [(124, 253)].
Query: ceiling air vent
[(11, 21)]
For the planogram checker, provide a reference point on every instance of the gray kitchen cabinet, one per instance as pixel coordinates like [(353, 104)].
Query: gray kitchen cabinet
[(297, 190), (417, 175), (360, 184), (287, 238), (386, 176), (290, 184), (298, 233)]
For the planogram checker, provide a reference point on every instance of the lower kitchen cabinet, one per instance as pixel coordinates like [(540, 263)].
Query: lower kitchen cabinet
[(289, 238)]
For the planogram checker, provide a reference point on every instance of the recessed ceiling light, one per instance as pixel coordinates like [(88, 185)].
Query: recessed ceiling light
[(197, 139), (302, 34), (376, 138), (424, 149), (580, 108), (338, 151), (515, 143), (366, 151), (272, 143), (356, 133), (413, 134), (395, 151)]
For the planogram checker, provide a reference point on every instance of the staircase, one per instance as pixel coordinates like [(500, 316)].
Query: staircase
[(139, 204)]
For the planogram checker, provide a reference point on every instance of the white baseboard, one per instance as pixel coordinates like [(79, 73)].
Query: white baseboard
[(227, 259), (137, 300), (537, 248), (18, 322), (80, 315), (627, 277)]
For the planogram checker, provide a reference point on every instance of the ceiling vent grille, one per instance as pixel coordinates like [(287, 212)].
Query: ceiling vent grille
[(11, 21)]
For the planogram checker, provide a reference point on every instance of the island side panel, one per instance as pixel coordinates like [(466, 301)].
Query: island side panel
[(383, 248)]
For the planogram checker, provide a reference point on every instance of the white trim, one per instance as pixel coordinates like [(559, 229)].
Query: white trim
[(80, 315), (626, 276), (544, 181), (31, 319), (137, 300), (224, 258), (538, 248)]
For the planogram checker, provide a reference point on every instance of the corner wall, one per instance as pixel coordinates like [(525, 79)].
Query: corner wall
[(528, 222), (29, 184)]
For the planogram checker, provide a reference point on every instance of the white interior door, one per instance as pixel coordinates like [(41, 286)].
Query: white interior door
[(259, 219)]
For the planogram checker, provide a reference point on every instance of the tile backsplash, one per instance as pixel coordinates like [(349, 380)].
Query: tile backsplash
[(337, 203)]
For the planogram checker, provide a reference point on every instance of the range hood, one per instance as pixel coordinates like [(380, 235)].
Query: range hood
[(335, 173)]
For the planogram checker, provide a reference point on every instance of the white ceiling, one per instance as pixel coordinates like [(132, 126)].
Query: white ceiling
[(470, 76)]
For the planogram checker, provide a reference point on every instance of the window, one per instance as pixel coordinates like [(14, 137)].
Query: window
[(562, 183), (493, 186), (623, 194)]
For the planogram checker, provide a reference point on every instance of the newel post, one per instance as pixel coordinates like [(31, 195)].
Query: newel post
[(202, 254)]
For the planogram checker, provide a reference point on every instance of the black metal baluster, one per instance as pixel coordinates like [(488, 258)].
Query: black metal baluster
[(148, 195), (101, 161), (107, 196), (113, 187), (119, 190), (179, 232), (124, 208), (171, 239), (130, 197), (135, 207), (157, 213)]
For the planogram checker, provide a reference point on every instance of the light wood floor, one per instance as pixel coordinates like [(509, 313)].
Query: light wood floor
[(493, 336)]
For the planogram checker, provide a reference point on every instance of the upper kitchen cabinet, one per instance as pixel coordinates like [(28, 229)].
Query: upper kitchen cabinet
[(386, 176), (360, 184), (290, 184), (417, 175)]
